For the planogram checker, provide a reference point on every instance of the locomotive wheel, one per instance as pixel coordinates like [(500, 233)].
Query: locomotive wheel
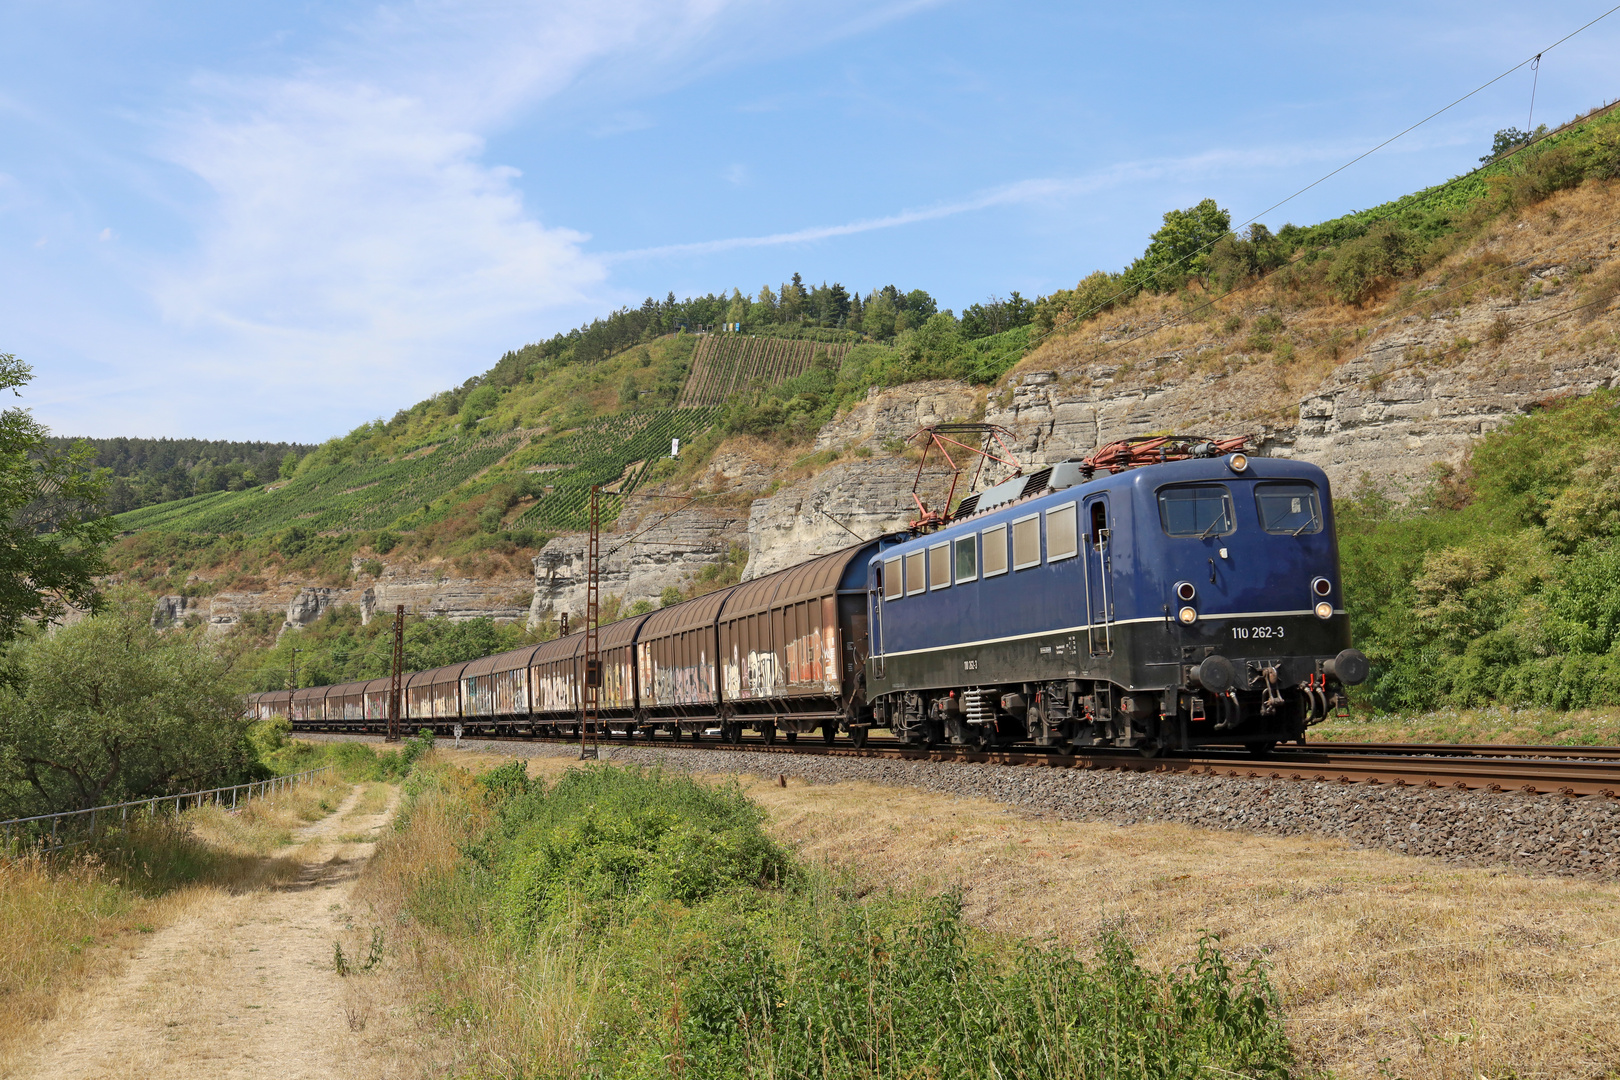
[(1149, 749), (857, 736), (1261, 749)]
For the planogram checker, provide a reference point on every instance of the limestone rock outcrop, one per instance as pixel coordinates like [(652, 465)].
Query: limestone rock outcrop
[(895, 413), (643, 555), (851, 501)]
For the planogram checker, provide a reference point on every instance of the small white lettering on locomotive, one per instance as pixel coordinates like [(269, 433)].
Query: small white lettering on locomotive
[(970, 665), (1244, 633)]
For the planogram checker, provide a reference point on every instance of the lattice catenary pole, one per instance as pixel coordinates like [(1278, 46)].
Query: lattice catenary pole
[(398, 671), (593, 656)]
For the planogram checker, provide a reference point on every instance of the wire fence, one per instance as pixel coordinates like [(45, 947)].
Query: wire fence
[(51, 832)]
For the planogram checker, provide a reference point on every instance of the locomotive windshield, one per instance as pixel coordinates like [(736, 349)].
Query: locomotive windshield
[(1288, 508), (1203, 510)]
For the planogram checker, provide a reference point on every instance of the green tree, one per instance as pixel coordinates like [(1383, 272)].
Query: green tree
[(51, 529), (109, 709), (289, 465), (1181, 248)]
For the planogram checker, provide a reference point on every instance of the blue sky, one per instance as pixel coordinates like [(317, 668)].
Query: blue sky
[(277, 220)]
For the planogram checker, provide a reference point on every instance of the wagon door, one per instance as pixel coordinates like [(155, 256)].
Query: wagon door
[(1099, 576)]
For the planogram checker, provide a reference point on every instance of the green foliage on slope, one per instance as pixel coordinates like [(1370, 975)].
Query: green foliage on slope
[(1502, 585), (338, 648)]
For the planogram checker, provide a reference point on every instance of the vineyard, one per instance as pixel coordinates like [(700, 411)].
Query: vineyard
[(723, 364), (348, 495), (618, 452)]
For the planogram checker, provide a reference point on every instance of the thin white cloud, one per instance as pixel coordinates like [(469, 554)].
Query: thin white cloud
[(1035, 190)]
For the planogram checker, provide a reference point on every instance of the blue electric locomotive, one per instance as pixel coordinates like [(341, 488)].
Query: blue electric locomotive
[(1185, 603)]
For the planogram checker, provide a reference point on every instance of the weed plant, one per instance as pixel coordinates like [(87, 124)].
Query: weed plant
[(647, 925)]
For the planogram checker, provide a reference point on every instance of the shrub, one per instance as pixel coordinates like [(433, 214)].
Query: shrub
[(1364, 264)]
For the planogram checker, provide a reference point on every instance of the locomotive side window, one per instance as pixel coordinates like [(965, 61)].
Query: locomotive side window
[(1027, 542), (995, 550), (1203, 511), (915, 580), (939, 566), (967, 559), (1288, 508), (893, 586), (1062, 540)]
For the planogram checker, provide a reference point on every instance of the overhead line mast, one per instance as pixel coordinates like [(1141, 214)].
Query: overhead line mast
[(593, 657)]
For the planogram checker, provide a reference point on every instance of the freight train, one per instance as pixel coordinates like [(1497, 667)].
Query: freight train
[(1186, 595)]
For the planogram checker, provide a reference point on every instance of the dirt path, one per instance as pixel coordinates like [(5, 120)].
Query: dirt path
[(242, 986)]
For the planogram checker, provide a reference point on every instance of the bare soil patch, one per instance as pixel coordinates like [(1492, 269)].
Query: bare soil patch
[(243, 985)]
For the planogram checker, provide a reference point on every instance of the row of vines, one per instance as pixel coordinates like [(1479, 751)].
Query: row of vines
[(619, 452), (723, 364)]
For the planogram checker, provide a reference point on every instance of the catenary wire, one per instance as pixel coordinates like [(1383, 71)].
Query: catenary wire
[(1103, 304)]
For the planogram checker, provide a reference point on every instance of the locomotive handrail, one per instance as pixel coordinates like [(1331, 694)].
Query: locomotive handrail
[(263, 788)]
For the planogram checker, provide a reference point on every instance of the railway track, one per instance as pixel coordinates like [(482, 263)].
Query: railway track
[(1569, 771)]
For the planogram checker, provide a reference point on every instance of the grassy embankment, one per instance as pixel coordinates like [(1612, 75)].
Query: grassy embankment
[(623, 923), (68, 916)]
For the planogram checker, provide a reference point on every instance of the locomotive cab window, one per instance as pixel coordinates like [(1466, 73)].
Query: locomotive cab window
[(1062, 541), (894, 587), (915, 580), (1288, 508), (995, 550), (967, 559), (1202, 510), (939, 566), (1026, 542)]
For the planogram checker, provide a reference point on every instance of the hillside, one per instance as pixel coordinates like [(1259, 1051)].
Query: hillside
[(1383, 345)]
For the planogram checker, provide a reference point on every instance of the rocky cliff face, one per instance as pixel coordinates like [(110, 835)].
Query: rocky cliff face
[(425, 592)]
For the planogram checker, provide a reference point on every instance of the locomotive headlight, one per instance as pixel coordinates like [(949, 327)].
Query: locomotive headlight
[(1324, 610), (1185, 591), (1238, 462), (1321, 586), (1187, 615)]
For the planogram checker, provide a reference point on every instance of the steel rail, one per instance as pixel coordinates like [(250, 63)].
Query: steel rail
[(1313, 763), (1482, 750)]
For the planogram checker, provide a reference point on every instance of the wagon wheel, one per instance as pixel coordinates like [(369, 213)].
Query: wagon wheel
[(857, 735), (792, 736), (732, 733), (829, 732), (770, 734)]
